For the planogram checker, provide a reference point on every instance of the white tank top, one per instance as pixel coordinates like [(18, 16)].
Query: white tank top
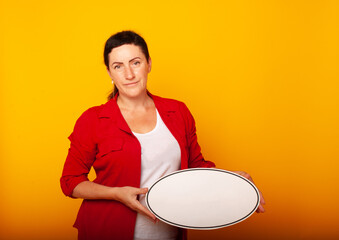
[(160, 155)]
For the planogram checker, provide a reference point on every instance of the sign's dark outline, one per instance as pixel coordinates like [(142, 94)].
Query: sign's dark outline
[(210, 227)]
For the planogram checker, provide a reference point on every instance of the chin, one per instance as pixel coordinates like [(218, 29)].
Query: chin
[(132, 93)]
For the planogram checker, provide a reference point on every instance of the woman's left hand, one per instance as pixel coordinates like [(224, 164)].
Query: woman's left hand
[(260, 209)]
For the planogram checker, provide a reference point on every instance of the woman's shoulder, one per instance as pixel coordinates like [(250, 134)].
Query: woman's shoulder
[(91, 114)]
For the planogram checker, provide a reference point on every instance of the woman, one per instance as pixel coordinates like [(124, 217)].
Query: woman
[(132, 140)]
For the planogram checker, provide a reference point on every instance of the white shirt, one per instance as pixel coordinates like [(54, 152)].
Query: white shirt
[(160, 155)]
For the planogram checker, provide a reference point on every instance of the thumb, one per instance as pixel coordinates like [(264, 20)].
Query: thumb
[(142, 190)]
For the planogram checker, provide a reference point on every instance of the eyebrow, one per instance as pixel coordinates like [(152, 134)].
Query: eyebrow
[(128, 61)]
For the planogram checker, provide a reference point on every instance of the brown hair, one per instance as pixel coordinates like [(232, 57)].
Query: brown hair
[(121, 38)]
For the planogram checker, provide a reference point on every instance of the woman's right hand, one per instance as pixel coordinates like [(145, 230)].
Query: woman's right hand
[(128, 196)]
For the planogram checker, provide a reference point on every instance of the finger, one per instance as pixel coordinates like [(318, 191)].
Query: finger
[(141, 191), (244, 174), (143, 210), (262, 200), (260, 209)]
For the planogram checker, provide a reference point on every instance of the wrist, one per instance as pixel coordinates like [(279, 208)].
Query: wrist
[(114, 193)]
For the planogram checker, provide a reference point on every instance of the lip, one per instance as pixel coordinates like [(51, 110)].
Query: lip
[(131, 84)]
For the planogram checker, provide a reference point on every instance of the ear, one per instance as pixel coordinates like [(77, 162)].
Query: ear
[(149, 64)]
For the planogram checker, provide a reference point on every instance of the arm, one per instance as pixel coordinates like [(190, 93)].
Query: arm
[(82, 153), (125, 195)]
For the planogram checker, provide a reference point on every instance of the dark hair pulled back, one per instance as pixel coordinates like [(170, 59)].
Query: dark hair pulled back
[(119, 39)]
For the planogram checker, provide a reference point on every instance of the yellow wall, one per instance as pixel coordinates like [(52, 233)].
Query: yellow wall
[(260, 77)]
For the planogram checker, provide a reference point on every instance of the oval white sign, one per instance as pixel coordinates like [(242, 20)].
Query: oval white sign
[(202, 198)]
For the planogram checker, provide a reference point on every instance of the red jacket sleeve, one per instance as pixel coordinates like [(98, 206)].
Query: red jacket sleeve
[(196, 159), (81, 153)]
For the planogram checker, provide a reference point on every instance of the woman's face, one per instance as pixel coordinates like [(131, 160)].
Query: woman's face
[(128, 68)]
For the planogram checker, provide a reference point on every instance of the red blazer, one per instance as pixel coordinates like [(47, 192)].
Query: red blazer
[(102, 139)]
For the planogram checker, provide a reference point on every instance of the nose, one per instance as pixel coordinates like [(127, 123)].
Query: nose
[(129, 74)]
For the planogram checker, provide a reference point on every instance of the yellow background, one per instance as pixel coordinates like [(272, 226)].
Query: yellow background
[(260, 77)]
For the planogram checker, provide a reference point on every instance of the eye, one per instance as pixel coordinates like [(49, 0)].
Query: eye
[(116, 67), (136, 63)]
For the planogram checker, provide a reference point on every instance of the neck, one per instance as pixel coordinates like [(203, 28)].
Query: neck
[(139, 102)]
